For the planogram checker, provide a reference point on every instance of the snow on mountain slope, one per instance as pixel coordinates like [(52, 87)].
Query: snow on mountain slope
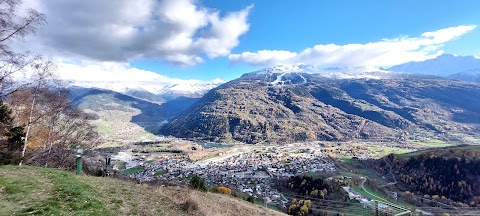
[(124, 78), (182, 87), (296, 74), (443, 65), (314, 69)]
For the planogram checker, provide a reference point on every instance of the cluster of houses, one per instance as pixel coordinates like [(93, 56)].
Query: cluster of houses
[(252, 173)]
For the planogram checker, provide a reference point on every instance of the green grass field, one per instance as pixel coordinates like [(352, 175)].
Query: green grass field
[(65, 194), (120, 164), (384, 151), (443, 151), (132, 170), (344, 157), (211, 156), (355, 168), (434, 143), (379, 195), (104, 128)]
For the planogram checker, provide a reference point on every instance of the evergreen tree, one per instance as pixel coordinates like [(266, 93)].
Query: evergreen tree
[(11, 138), (197, 182)]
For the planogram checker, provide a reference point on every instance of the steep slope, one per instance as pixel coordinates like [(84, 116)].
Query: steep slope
[(300, 103), (443, 65), (40, 191), (451, 172)]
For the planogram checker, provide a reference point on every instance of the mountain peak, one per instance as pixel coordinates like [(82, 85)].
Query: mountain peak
[(443, 65), (285, 104), (317, 69), (304, 73)]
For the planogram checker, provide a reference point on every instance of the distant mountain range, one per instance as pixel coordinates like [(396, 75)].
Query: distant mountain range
[(122, 117), (465, 68), (135, 110), (155, 91), (160, 89), (293, 103), (304, 102), (102, 100)]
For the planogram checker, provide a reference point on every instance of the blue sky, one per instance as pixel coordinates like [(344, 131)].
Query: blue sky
[(208, 39), (295, 25)]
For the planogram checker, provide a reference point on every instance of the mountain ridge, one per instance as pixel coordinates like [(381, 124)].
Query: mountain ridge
[(443, 65), (261, 107)]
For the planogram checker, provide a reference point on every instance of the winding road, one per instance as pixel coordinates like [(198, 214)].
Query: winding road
[(391, 173), (364, 179)]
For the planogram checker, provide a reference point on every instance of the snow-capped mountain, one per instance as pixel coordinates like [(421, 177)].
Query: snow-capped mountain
[(157, 87), (444, 65), (126, 79), (295, 74), (305, 102), (315, 69)]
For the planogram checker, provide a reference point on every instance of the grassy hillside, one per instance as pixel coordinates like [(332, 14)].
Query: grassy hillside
[(40, 191)]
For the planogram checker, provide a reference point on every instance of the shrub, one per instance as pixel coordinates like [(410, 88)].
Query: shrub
[(197, 183), (225, 190), (214, 190)]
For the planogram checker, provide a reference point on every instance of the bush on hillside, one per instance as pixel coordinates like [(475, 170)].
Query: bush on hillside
[(225, 190), (197, 182)]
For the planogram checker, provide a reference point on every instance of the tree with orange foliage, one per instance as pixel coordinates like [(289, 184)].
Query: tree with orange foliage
[(225, 190)]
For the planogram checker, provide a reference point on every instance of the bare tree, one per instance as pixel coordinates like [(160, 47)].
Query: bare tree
[(61, 130), (40, 104), (43, 75), (15, 27)]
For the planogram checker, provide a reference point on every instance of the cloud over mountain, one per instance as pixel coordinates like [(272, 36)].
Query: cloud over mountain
[(181, 32), (386, 52), (121, 77)]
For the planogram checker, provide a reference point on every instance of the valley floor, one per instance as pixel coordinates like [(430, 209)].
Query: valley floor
[(257, 170)]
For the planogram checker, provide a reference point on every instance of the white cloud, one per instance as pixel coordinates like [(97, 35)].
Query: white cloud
[(176, 31), (386, 52), (224, 33), (120, 76), (447, 34)]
